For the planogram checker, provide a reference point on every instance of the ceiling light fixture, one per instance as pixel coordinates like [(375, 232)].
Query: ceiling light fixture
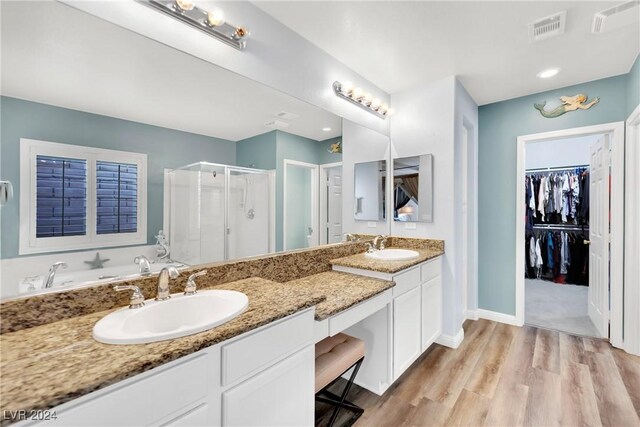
[(210, 22), (326, 129), (362, 99), (545, 74)]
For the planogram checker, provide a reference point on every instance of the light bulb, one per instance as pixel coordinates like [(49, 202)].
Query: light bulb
[(185, 4), (346, 88), (357, 93), (215, 18), (545, 74), (367, 99), (375, 104), (390, 111), (383, 109)]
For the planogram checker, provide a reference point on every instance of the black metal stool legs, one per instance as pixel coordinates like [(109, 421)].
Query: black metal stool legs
[(341, 401)]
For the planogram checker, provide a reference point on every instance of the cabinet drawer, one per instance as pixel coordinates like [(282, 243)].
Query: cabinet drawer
[(265, 347), (431, 269), (145, 401), (280, 396), (406, 281)]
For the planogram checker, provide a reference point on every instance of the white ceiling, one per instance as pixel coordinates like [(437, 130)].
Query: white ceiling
[(400, 44), (57, 55)]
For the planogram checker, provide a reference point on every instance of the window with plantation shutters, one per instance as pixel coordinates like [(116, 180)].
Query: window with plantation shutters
[(77, 197), (61, 197), (117, 197)]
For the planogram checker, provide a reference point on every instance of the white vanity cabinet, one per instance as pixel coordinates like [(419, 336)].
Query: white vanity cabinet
[(399, 333), (263, 377)]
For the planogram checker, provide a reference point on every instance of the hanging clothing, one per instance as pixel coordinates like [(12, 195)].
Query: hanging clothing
[(558, 256), (557, 197)]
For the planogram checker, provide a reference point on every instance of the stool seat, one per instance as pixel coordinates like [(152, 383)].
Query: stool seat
[(334, 356)]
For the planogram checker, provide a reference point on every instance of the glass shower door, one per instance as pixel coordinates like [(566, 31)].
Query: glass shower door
[(197, 214), (248, 207)]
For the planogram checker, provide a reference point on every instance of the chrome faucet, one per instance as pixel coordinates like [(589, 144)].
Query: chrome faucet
[(137, 299), (379, 242), (349, 237), (191, 288), (143, 264), (169, 272), (48, 282)]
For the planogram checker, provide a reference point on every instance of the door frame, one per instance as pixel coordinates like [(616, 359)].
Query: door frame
[(323, 197), (616, 132), (315, 177), (631, 338)]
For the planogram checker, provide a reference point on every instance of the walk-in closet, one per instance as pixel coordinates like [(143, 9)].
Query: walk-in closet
[(557, 196)]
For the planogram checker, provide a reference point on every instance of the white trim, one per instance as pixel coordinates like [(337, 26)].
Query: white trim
[(322, 184), (631, 338), (451, 341), (616, 130), (315, 177), (471, 314), (30, 244), (509, 319)]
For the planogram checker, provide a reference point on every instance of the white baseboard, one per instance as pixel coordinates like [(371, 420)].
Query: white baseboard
[(497, 317), (451, 341), (471, 314)]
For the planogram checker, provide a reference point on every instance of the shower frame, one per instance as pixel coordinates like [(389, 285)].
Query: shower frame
[(228, 169)]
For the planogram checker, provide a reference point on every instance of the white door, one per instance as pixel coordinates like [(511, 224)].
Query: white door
[(406, 330), (599, 235), (334, 205)]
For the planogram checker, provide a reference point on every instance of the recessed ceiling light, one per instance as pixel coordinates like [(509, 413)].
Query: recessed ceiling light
[(545, 74), (326, 129)]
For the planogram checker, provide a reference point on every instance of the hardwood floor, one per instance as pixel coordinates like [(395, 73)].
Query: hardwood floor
[(503, 375)]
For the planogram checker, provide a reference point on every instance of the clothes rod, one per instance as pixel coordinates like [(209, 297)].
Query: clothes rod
[(572, 227), (560, 168)]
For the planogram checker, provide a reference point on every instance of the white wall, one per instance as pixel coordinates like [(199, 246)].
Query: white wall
[(429, 120), (367, 188), (559, 152), (360, 145), (275, 55)]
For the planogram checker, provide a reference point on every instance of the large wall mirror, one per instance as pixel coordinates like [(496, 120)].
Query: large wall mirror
[(121, 148), (413, 189), (369, 190)]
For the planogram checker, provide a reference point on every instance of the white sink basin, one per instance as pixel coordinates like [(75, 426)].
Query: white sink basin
[(393, 254), (177, 317)]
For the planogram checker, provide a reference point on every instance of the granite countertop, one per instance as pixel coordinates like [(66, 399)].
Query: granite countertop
[(48, 365), (342, 290), (360, 261)]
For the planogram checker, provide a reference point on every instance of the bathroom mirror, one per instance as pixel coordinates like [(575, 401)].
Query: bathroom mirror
[(369, 190), (413, 189), (120, 148)]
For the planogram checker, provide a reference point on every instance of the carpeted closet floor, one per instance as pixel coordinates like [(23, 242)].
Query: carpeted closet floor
[(560, 307)]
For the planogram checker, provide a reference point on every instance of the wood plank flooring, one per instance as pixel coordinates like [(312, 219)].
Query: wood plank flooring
[(503, 375)]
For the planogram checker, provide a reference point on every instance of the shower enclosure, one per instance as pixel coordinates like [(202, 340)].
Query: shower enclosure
[(219, 212)]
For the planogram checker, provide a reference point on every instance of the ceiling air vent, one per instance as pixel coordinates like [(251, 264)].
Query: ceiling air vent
[(286, 115), (615, 17), (550, 26), (276, 124)]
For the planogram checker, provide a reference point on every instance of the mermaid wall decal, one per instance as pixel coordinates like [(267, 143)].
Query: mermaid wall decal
[(569, 103)]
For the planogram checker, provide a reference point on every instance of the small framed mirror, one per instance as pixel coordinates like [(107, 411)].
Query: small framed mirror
[(369, 190), (413, 189)]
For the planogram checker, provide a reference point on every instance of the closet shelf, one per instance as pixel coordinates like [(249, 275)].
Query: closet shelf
[(564, 227)]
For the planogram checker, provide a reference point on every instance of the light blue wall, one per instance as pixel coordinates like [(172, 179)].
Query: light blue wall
[(257, 152), (324, 155), (499, 126), (633, 87), (166, 148)]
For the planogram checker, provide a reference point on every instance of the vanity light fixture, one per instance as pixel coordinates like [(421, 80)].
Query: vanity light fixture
[(545, 74), (211, 22), (362, 99)]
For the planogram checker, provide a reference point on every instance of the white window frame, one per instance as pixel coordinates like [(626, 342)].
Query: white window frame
[(30, 244)]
